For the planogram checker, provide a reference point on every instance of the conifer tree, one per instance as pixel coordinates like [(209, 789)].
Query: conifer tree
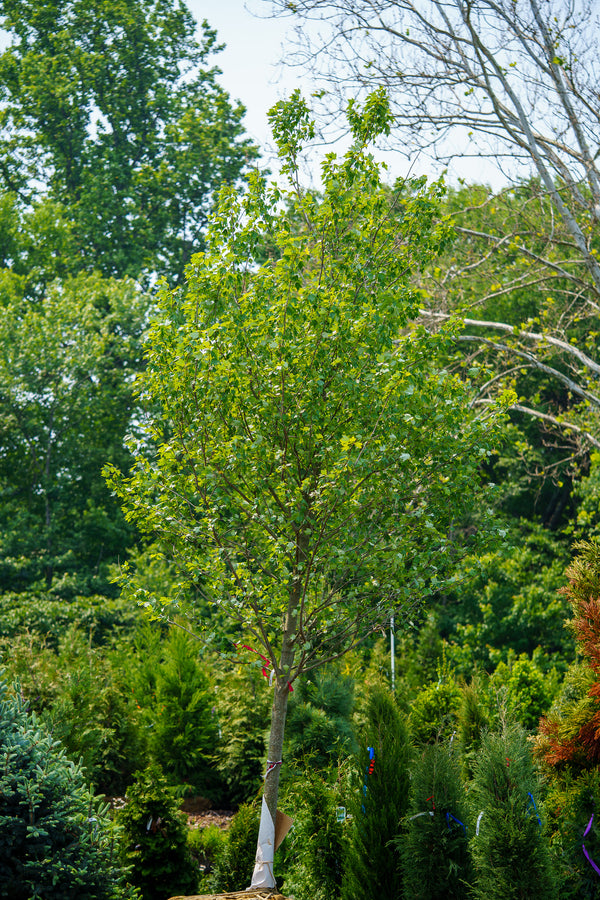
[(472, 720), (435, 852), (570, 735), (568, 741), (509, 849), (55, 838), (372, 869), (573, 808)]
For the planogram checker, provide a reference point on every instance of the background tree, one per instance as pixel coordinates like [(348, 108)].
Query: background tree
[(110, 110), (66, 369), (508, 82), (301, 487)]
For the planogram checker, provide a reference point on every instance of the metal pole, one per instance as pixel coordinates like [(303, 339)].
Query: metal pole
[(393, 652)]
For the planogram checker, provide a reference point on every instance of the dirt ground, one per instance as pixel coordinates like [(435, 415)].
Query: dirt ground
[(197, 809)]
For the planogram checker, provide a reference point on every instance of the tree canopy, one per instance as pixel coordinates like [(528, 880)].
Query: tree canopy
[(66, 370), (316, 461), (514, 83), (110, 110)]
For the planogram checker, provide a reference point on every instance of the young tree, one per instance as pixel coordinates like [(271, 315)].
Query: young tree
[(112, 111), (315, 463), (510, 849), (435, 849), (372, 870)]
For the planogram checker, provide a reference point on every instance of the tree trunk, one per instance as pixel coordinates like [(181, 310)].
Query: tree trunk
[(265, 851), (263, 869)]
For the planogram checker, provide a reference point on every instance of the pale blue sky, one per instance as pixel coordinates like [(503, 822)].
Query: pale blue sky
[(253, 73), (250, 62)]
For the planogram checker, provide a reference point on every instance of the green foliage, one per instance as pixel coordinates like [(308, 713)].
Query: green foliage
[(66, 367), (81, 693), (510, 851), (532, 298), (378, 803), (317, 457), (55, 840), (570, 735), (434, 711), (320, 445), (205, 845), (571, 803), (473, 721), (154, 839), (243, 701), (234, 863), (529, 692), (184, 736), (508, 599), (315, 847), (52, 617), (318, 725), (111, 110), (435, 849), (171, 685)]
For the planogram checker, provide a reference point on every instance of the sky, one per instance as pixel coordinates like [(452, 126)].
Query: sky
[(253, 73), (250, 62)]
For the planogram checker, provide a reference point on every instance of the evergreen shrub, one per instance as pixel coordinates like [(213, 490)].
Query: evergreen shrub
[(82, 696), (172, 687), (154, 843), (378, 803), (510, 848), (234, 863), (55, 839), (315, 847), (243, 704), (435, 850), (434, 711)]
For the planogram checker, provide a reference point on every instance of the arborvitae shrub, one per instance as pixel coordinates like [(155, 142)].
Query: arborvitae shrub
[(510, 851), (243, 703), (315, 847), (55, 840), (472, 721), (434, 711), (435, 850), (154, 839), (184, 733), (573, 807), (234, 863), (379, 802)]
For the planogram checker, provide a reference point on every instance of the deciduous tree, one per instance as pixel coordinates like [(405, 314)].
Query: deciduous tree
[(317, 461), (111, 108), (66, 369)]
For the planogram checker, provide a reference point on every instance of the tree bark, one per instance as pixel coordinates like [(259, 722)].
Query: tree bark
[(263, 869)]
